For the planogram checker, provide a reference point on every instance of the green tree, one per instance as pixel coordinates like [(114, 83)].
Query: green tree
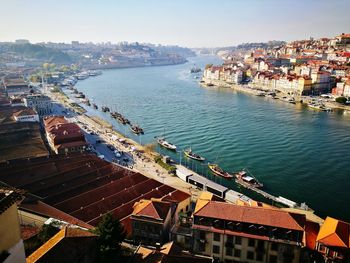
[(111, 233), (52, 67), (341, 100), (46, 66)]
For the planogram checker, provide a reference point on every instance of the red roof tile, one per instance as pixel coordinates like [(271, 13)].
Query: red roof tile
[(253, 215)]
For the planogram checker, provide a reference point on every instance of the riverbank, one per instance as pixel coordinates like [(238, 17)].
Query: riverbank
[(143, 156), (256, 91), (134, 65)]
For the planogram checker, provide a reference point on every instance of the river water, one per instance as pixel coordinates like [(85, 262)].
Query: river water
[(300, 154)]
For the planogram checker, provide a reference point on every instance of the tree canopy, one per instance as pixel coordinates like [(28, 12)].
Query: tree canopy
[(111, 233)]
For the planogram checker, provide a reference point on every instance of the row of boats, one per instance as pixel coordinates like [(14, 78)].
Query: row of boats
[(123, 120), (241, 177), (72, 80), (114, 114)]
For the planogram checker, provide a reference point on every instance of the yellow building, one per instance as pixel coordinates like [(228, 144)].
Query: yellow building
[(304, 85), (11, 243)]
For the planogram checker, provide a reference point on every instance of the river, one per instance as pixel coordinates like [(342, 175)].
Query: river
[(300, 154)]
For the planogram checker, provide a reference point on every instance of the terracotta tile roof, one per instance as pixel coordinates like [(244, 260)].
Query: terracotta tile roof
[(335, 233), (152, 208), (177, 196), (65, 232), (54, 120), (41, 251), (24, 112), (253, 215), (46, 210)]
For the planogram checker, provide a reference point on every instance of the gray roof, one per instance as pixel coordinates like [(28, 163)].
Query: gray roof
[(208, 183)]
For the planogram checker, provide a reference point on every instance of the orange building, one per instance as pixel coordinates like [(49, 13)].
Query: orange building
[(333, 240)]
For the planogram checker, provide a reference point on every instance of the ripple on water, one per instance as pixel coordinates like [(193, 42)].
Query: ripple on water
[(300, 154)]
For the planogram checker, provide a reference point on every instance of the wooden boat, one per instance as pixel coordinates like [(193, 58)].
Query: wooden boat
[(244, 179), (318, 106), (105, 108), (166, 144), (136, 129), (218, 171), (121, 119), (114, 114), (188, 152)]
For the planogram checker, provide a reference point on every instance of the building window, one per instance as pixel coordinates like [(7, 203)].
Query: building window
[(237, 253), (251, 242), (238, 240), (250, 255), (201, 247), (228, 261), (274, 246), (261, 244), (202, 235), (229, 239), (216, 249), (217, 237), (273, 259), (229, 251), (259, 257)]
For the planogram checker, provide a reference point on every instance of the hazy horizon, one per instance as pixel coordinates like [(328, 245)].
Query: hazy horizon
[(193, 24)]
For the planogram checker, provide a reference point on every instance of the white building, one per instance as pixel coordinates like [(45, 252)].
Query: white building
[(26, 115)]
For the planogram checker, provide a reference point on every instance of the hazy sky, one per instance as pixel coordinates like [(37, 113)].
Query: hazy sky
[(192, 23)]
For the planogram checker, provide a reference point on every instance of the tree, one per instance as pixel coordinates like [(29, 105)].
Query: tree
[(46, 66), (341, 100), (111, 233)]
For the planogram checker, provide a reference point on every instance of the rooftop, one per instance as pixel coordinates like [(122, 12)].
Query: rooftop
[(19, 139), (155, 209), (252, 215), (83, 186), (335, 233)]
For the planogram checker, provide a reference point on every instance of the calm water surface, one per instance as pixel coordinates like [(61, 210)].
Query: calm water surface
[(300, 154)]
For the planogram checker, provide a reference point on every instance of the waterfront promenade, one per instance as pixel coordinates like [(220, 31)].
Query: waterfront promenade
[(254, 90), (142, 160)]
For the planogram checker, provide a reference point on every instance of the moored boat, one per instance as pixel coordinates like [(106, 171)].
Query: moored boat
[(121, 119), (95, 72), (218, 171), (105, 109), (190, 154), (166, 144), (243, 178), (318, 106), (94, 106), (136, 129)]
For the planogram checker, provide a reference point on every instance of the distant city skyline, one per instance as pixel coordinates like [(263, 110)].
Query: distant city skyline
[(185, 23)]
